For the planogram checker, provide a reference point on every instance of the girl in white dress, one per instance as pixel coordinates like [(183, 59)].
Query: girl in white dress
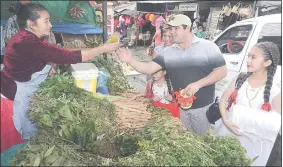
[(159, 89), (254, 104)]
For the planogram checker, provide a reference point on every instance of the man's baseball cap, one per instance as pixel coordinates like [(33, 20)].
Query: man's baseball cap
[(179, 20)]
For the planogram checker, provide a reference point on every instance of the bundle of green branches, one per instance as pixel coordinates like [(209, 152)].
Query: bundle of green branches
[(75, 128), (62, 110), (164, 142), (47, 149), (118, 83)]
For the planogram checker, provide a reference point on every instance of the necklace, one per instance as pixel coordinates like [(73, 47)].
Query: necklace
[(250, 99)]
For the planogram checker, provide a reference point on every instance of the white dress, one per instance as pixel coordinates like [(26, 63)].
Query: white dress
[(259, 128), (161, 90)]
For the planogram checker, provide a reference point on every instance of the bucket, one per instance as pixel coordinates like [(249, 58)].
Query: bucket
[(85, 75)]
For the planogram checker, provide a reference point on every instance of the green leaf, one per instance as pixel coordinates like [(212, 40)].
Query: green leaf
[(65, 112), (46, 120), (58, 161), (66, 131), (256, 157), (51, 159), (61, 132), (37, 160), (49, 151), (35, 148)]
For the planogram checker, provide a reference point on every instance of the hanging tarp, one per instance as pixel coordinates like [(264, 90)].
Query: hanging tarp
[(56, 9), (72, 28), (76, 28), (61, 11)]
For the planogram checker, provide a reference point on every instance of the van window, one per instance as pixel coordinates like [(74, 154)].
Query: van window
[(234, 40), (272, 32)]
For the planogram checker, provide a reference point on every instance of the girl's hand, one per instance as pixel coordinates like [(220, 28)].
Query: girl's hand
[(232, 127), (156, 98), (169, 97)]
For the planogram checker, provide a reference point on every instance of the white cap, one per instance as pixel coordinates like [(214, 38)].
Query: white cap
[(180, 19)]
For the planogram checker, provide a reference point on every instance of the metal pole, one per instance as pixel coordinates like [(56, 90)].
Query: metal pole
[(104, 9), (254, 9)]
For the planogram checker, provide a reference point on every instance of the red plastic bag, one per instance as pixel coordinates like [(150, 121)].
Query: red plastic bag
[(173, 108), (9, 134)]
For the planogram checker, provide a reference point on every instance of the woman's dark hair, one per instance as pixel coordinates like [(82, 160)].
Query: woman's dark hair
[(168, 82), (27, 11), (161, 31), (270, 52)]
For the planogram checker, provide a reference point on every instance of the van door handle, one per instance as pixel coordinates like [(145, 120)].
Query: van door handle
[(234, 62)]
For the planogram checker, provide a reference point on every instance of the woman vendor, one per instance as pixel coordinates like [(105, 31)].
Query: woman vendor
[(27, 62)]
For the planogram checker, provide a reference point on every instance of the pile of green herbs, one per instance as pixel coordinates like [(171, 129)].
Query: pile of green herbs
[(164, 142), (75, 128), (72, 121), (117, 83)]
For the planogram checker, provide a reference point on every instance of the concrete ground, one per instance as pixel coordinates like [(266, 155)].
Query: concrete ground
[(139, 81)]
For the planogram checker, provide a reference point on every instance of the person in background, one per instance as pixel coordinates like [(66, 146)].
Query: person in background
[(192, 64), (133, 34), (27, 64), (166, 38), (159, 89), (122, 29), (204, 25), (257, 90), (200, 33), (12, 27), (157, 37), (167, 41), (195, 26)]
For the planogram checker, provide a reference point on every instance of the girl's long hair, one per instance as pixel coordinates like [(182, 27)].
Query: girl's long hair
[(168, 82)]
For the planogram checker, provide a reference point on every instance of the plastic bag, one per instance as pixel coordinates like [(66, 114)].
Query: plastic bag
[(103, 78)]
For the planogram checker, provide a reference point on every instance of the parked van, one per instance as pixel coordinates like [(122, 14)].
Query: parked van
[(236, 41)]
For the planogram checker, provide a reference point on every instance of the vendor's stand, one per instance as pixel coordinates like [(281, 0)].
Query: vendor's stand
[(78, 128)]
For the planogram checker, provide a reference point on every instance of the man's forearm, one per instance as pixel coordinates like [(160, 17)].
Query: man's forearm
[(141, 67), (145, 67), (213, 77)]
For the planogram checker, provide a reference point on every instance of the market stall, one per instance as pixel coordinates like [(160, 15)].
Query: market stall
[(79, 128)]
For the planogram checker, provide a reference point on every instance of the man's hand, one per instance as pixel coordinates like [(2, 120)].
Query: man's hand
[(125, 55), (191, 89)]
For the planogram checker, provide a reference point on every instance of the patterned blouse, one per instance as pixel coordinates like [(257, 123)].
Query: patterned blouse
[(159, 48), (10, 29)]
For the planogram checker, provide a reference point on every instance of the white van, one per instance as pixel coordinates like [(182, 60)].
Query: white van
[(236, 41)]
